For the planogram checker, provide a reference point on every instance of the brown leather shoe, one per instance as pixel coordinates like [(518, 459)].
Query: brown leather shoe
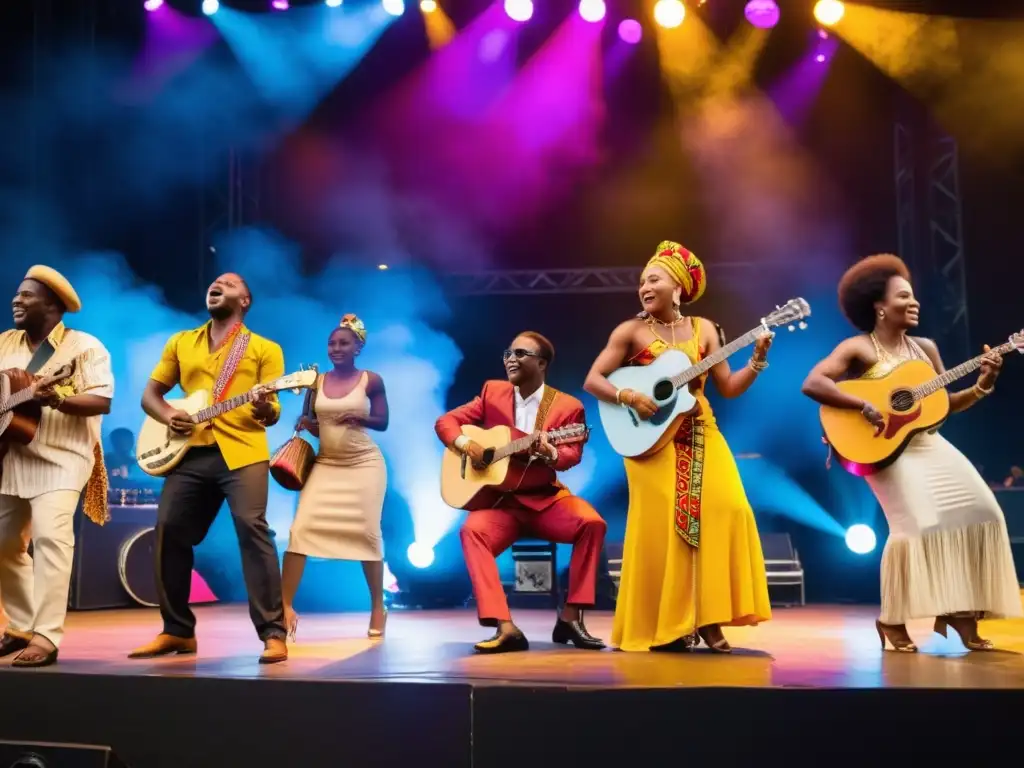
[(274, 650), (165, 645)]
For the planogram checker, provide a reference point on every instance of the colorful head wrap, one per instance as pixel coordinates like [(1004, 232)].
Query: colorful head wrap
[(355, 325), (683, 267)]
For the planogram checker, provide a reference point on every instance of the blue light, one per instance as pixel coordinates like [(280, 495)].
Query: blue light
[(210, 7), (860, 539), (420, 555), (333, 3)]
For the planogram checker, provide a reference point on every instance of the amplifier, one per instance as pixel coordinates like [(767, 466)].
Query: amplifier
[(113, 564), (30, 754)]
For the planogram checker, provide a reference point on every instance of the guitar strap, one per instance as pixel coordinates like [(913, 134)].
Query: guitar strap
[(41, 356), (227, 370), (550, 393)]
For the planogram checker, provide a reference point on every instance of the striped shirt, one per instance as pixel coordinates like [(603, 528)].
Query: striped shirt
[(61, 456)]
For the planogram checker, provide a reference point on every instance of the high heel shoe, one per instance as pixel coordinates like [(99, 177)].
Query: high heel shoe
[(371, 632), (973, 643), (719, 646), (903, 646)]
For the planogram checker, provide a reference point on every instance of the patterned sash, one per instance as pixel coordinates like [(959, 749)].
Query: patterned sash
[(689, 447), (227, 370)]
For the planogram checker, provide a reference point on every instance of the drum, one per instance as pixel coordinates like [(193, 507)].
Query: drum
[(135, 566), (291, 463)]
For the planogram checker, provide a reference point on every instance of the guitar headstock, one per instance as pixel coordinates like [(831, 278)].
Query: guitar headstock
[(574, 433), (296, 381), (1017, 340), (793, 311)]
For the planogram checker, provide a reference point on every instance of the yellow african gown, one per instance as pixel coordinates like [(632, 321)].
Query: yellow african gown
[(692, 555)]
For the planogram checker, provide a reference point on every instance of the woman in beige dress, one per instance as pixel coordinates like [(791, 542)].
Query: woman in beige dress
[(340, 506), (948, 553)]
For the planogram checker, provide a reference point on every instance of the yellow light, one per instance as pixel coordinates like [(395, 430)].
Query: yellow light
[(669, 13), (828, 12), (382, 267), (428, 6)]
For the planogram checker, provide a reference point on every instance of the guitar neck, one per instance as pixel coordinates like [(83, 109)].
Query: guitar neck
[(210, 412), (18, 398), (515, 446), (944, 379), (712, 360)]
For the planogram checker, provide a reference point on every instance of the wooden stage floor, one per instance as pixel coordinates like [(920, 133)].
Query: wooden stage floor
[(810, 647)]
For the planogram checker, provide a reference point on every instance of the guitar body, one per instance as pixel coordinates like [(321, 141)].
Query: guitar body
[(19, 425), (158, 449), (632, 437), (857, 447), (464, 487)]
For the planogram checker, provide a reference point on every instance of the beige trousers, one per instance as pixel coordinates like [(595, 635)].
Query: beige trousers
[(35, 589)]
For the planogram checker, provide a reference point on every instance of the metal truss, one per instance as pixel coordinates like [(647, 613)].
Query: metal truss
[(521, 282), (906, 194)]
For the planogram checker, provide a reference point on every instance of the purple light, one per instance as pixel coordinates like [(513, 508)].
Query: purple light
[(630, 31), (763, 14), (820, 58), (592, 10), (152, 5), (279, 5), (823, 34)]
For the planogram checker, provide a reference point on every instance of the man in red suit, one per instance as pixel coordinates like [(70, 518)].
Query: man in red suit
[(544, 510)]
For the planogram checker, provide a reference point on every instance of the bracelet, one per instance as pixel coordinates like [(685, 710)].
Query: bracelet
[(618, 397), (758, 365), (980, 391)]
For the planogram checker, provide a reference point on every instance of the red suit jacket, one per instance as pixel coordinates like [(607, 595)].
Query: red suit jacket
[(494, 407)]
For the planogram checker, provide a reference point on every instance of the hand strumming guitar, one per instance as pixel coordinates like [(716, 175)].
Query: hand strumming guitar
[(644, 406), (874, 417), (46, 395), (180, 422), (475, 452)]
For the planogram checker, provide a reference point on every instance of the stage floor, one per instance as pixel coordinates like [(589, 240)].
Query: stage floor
[(809, 647)]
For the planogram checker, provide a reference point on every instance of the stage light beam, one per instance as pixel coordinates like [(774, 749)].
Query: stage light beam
[(519, 10), (829, 12), (860, 539), (420, 555), (394, 7), (592, 10), (152, 5), (669, 13), (279, 5), (630, 31), (333, 3), (763, 14), (210, 7), (428, 6)]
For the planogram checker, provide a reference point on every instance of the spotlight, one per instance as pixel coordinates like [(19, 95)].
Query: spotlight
[(860, 539), (630, 31), (279, 5), (519, 10), (763, 14), (592, 10), (383, 267), (428, 6), (420, 555), (669, 13), (152, 5), (828, 12), (820, 58), (394, 7), (333, 3), (822, 34), (210, 7)]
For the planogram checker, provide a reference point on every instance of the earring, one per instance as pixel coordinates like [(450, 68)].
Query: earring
[(881, 313)]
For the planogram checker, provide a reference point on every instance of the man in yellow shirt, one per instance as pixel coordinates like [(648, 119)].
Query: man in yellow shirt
[(229, 461)]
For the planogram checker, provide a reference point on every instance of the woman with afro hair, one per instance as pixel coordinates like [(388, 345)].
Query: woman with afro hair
[(948, 553)]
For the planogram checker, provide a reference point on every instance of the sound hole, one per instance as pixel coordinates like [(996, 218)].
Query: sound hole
[(901, 401), (663, 390)]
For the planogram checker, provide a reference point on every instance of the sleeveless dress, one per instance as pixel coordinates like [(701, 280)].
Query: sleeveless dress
[(692, 555), (948, 550), (340, 506)]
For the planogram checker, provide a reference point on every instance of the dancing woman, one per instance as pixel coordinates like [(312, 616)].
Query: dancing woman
[(340, 506), (948, 553), (692, 558)]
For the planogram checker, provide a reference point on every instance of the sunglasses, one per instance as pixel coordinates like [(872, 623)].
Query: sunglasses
[(518, 353)]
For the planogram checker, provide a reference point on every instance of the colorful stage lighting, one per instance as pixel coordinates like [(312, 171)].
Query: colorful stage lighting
[(333, 3), (394, 7), (152, 5), (519, 10), (860, 539), (592, 10), (210, 7), (669, 13), (829, 12), (630, 31), (763, 14), (428, 6), (420, 555), (279, 5)]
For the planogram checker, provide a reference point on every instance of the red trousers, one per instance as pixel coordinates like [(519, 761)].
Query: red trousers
[(489, 532)]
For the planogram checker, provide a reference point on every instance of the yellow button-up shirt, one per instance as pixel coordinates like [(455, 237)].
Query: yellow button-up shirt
[(187, 361)]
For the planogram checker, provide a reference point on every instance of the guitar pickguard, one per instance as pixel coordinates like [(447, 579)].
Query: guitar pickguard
[(897, 421)]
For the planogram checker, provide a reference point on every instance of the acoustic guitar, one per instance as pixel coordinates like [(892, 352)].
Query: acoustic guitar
[(19, 413), (463, 486), (159, 449), (911, 398), (666, 381)]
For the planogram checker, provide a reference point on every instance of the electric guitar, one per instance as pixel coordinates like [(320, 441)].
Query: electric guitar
[(911, 398), (19, 413), (666, 382), (463, 486), (159, 449)]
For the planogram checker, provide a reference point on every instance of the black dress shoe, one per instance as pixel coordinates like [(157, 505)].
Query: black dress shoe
[(10, 644), (575, 632), (513, 641)]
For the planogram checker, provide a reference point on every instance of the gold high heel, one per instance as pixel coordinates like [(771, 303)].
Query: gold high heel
[(903, 646), (371, 632), (972, 644)]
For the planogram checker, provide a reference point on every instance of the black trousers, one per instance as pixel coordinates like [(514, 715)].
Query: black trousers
[(192, 495)]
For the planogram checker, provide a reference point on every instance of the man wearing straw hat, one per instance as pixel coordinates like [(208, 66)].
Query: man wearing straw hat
[(41, 483)]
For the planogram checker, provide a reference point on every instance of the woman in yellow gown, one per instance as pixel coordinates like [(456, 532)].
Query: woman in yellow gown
[(692, 560)]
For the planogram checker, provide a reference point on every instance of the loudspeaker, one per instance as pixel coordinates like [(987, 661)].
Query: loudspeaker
[(29, 754), (113, 564)]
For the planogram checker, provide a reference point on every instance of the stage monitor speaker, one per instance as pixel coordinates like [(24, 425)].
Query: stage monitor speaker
[(29, 754), (113, 564)]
